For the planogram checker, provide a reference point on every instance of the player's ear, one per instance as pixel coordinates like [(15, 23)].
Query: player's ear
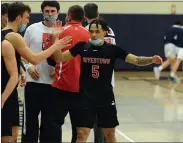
[(69, 17), (18, 17), (105, 33)]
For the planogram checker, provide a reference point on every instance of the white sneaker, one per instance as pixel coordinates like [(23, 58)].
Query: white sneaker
[(174, 79), (157, 72)]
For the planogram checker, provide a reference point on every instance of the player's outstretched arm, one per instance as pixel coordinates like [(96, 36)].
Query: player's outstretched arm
[(62, 57), (69, 54), (35, 58), (143, 61)]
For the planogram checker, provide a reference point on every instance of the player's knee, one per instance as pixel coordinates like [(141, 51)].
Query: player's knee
[(109, 134), (171, 60), (82, 135), (7, 139), (14, 133)]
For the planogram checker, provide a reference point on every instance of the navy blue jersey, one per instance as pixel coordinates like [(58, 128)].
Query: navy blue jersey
[(179, 41), (4, 73), (97, 65), (171, 35)]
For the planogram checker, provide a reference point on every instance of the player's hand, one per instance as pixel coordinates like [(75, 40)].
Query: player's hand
[(58, 23), (62, 43), (3, 100), (23, 80), (157, 59), (52, 73), (33, 72), (56, 31)]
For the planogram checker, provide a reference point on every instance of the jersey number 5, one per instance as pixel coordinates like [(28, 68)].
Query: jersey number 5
[(95, 71)]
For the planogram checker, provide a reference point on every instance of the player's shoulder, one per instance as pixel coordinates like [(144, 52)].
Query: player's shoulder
[(68, 28), (71, 27), (75, 30), (6, 43), (12, 35), (83, 29), (6, 47)]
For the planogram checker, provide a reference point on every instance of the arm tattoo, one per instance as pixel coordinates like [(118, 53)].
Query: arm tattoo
[(143, 61)]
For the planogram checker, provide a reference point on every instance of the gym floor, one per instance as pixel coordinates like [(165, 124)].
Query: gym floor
[(148, 110)]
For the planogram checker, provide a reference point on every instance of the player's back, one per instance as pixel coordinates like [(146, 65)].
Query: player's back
[(67, 73), (170, 35)]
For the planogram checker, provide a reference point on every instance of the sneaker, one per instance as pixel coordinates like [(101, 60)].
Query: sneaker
[(174, 79), (157, 72)]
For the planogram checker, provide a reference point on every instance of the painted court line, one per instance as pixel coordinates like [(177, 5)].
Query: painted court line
[(124, 135)]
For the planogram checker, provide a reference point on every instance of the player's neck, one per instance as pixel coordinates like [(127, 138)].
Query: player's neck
[(13, 26), (48, 24)]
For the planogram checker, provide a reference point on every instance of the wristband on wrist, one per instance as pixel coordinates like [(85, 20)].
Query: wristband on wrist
[(27, 66)]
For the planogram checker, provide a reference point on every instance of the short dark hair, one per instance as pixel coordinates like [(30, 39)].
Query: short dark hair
[(4, 8), (51, 4), (101, 22), (177, 23), (76, 12), (91, 10), (17, 8)]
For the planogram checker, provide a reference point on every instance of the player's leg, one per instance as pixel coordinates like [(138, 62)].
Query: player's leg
[(6, 132), (32, 107), (14, 133), (74, 103), (6, 122), (98, 134), (173, 77), (109, 134), (15, 110), (55, 115), (47, 93), (82, 134), (170, 54), (108, 126), (85, 122), (6, 139), (172, 64)]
